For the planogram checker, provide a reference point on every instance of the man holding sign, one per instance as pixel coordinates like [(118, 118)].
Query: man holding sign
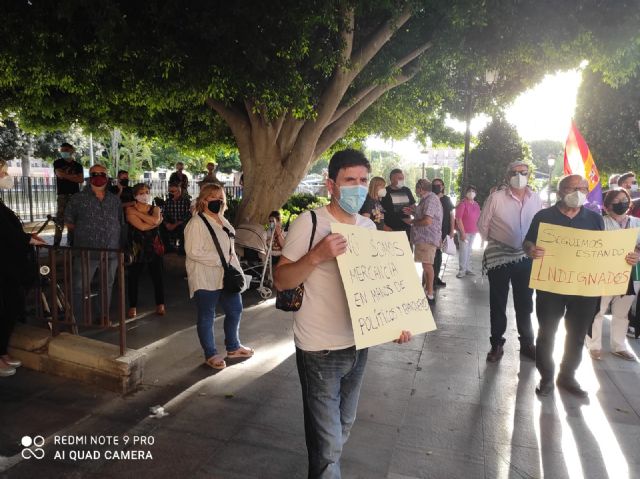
[(577, 310), (329, 366)]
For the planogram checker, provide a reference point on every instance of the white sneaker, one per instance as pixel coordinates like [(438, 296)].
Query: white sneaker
[(6, 371), (631, 332), (460, 274)]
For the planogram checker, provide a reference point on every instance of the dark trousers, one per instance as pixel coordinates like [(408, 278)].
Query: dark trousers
[(437, 263), (155, 271), (578, 312), (62, 202), (499, 278), (12, 301), (170, 237)]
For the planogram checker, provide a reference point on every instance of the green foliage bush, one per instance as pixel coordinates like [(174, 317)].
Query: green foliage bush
[(295, 205)]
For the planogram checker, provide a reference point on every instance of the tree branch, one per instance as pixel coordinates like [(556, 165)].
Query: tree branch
[(338, 128), (237, 121), (376, 41), (401, 63)]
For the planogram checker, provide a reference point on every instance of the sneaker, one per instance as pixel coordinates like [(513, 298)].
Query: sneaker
[(624, 355), (570, 385), (631, 332), (470, 273), (460, 274), (495, 354), (9, 361), (6, 371), (595, 354), (545, 387)]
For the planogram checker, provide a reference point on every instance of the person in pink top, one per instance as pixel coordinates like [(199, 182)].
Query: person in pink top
[(467, 214), (504, 222)]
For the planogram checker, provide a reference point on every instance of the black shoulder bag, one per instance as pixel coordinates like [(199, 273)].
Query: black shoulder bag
[(233, 280), (291, 299)]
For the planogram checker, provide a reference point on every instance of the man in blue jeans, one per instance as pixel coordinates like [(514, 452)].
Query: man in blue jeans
[(329, 366)]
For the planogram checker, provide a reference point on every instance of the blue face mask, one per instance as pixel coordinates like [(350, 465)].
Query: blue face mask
[(65, 154), (352, 198)]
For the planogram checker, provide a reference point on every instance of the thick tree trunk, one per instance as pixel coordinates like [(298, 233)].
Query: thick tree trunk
[(268, 183)]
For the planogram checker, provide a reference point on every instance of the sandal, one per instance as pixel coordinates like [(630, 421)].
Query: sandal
[(216, 362), (160, 311), (624, 355), (241, 352), (132, 313)]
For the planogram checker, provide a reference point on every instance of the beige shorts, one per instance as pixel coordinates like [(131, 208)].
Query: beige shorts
[(424, 253)]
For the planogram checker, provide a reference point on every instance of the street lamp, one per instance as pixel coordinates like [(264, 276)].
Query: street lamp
[(551, 162)]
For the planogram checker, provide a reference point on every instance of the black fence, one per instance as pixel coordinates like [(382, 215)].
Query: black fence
[(33, 198)]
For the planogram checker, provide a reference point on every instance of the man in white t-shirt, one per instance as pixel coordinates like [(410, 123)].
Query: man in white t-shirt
[(329, 366)]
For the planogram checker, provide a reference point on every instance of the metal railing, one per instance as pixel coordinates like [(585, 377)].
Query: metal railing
[(33, 198), (68, 297)]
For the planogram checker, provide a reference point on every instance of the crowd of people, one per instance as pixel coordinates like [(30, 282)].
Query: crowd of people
[(329, 366)]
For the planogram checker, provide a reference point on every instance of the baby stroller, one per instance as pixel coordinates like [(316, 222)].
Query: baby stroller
[(254, 253)]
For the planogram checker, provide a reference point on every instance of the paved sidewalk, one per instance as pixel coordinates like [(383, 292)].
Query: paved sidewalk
[(432, 408)]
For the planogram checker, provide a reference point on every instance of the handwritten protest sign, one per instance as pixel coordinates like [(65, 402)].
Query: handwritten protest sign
[(583, 263), (383, 290)]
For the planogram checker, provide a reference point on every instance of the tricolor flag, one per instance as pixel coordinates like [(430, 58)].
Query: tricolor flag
[(578, 161)]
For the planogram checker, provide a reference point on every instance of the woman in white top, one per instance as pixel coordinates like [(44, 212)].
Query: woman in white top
[(205, 274), (616, 203)]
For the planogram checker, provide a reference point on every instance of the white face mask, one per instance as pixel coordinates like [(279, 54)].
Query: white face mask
[(144, 198), (382, 192), (400, 184), (471, 195), (518, 182), (6, 182), (575, 199), (634, 187)]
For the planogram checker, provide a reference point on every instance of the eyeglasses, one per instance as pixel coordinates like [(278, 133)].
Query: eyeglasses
[(521, 173), (94, 174)]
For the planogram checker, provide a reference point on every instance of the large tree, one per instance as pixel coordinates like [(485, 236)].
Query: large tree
[(284, 80), (608, 117)]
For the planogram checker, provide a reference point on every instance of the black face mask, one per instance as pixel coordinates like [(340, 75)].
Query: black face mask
[(620, 208), (124, 183), (214, 206), (437, 189)]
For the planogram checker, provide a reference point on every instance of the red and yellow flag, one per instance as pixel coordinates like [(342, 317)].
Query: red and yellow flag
[(578, 161)]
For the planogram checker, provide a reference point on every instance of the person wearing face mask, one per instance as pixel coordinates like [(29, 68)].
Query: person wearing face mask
[(426, 233), (503, 223), (96, 218), (14, 273), (144, 236), (578, 311), (397, 204), (180, 177), (616, 204), (467, 214), (628, 182), (176, 211), (122, 189), (372, 207), (69, 176), (447, 229), (205, 276), (329, 367)]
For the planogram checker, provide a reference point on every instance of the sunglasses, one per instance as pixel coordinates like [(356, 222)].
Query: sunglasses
[(521, 173), (94, 174)]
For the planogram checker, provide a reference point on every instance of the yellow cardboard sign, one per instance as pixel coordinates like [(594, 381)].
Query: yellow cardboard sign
[(582, 262), (383, 290)]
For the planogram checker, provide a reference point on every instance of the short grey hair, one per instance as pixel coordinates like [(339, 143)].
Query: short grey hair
[(423, 184), (516, 163)]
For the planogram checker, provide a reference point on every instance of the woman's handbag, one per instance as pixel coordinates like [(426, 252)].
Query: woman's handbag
[(233, 280), (291, 299), (158, 245)]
